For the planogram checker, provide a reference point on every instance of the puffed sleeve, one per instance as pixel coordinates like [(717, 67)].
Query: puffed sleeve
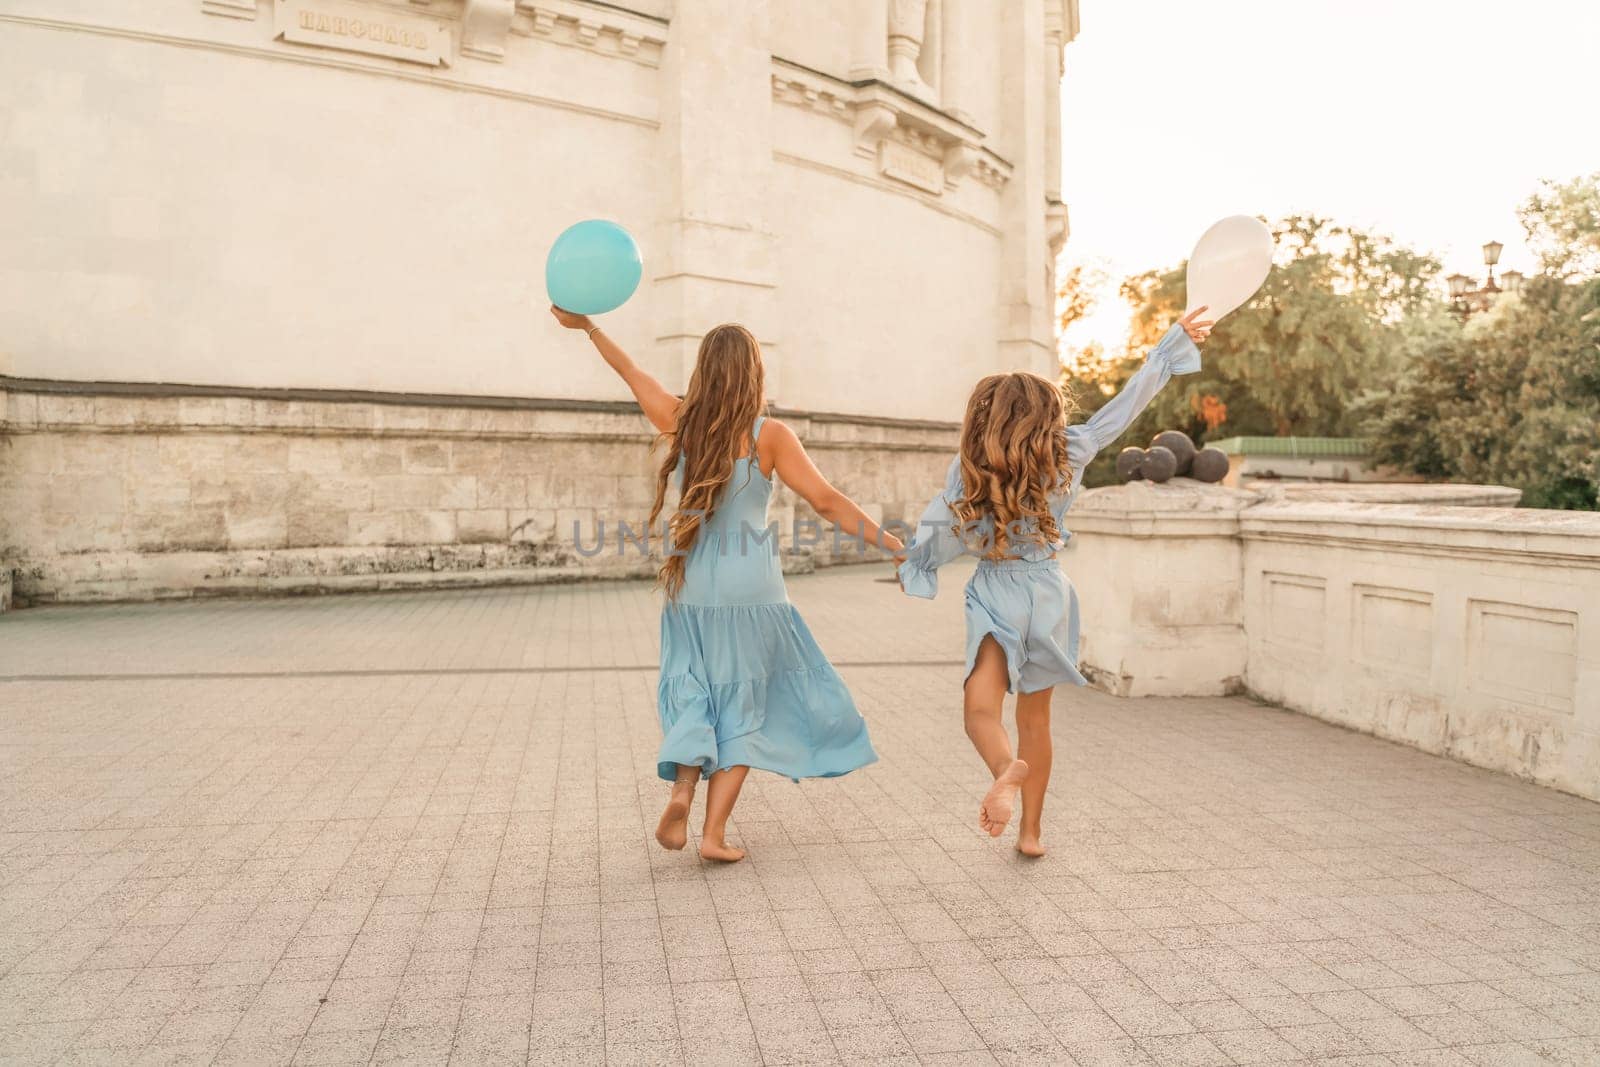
[(1175, 353), (935, 542)]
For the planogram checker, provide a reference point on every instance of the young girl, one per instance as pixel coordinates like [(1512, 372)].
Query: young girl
[(1003, 499), (743, 684)]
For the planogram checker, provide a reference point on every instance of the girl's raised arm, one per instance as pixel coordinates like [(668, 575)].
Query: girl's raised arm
[(660, 406), (1177, 352), (792, 464)]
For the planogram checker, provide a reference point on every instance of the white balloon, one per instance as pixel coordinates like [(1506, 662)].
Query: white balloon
[(1228, 265)]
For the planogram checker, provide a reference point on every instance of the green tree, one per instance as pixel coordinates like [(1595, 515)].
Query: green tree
[(1562, 220), (1514, 397)]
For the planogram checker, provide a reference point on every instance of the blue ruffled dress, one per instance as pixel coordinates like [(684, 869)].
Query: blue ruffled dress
[(1025, 603), (743, 682)]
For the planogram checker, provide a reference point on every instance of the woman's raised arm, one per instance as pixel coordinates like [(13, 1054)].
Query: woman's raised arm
[(792, 464), (660, 406)]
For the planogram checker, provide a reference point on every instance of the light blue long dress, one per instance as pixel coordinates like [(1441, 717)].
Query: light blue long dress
[(1025, 602), (743, 682)]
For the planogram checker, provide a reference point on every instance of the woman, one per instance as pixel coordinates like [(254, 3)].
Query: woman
[(743, 684)]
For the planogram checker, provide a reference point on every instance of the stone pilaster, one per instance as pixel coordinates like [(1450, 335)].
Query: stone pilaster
[(955, 64), (869, 46), (1027, 331), (717, 249)]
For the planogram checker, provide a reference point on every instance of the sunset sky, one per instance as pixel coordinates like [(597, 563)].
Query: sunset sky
[(1424, 119)]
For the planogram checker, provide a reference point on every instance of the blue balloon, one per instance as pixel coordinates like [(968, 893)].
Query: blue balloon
[(593, 267)]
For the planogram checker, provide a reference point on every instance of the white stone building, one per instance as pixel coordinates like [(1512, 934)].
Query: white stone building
[(271, 293)]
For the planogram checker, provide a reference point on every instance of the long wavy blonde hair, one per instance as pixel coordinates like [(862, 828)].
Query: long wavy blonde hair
[(726, 394), (1013, 456)]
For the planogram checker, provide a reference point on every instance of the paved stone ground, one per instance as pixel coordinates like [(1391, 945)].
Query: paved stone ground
[(417, 827)]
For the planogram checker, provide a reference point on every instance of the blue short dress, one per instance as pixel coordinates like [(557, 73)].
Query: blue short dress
[(1026, 603), (743, 682)]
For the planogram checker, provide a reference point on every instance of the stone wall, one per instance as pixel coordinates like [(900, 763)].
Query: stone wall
[(1468, 631), (206, 192), (137, 493)]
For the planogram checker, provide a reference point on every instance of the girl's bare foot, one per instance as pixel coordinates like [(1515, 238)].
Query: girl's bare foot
[(1028, 843), (995, 811), (672, 831), (720, 851)]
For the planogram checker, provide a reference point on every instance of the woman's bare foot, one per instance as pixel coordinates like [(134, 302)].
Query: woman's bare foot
[(995, 811), (720, 850), (1028, 843), (672, 831)]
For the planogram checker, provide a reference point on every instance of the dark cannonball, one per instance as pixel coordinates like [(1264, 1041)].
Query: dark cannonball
[(1159, 464), (1210, 465), (1128, 461), (1179, 444)]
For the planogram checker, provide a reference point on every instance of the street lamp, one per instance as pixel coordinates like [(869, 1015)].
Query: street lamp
[(1465, 300), (1491, 256)]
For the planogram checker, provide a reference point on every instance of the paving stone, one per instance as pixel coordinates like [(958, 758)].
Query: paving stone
[(417, 828)]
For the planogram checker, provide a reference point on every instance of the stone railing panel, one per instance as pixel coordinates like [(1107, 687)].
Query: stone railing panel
[(1431, 615), (1458, 630)]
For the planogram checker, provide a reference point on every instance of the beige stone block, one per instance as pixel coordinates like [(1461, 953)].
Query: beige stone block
[(203, 410), (475, 457), (497, 491), (30, 453), (21, 410), (427, 457), (399, 417), (116, 411), (500, 421), (527, 457), (284, 414), (312, 492), (86, 531), (481, 526), (150, 494), (636, 490), (210, 488), (65, 410), (371, 456), (255, 453), (376, 528), (259, 494), (92, 453), (155, 411), (193, 529), (78, 493), (449, 420), (308, 529), (191, 453), (535, 526), (315, 455), (143, 455), (559, 489), (430, 491), (575, 526), (264, 530), (344, 416), (429, 527)]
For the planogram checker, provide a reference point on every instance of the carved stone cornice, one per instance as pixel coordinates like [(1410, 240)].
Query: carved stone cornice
[(1057, 226), (1060, 22), (912, 141), (597, 28), (484, 24)]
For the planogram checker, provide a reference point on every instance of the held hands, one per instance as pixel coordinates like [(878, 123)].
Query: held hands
[(1197, 328), (571, 321)]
